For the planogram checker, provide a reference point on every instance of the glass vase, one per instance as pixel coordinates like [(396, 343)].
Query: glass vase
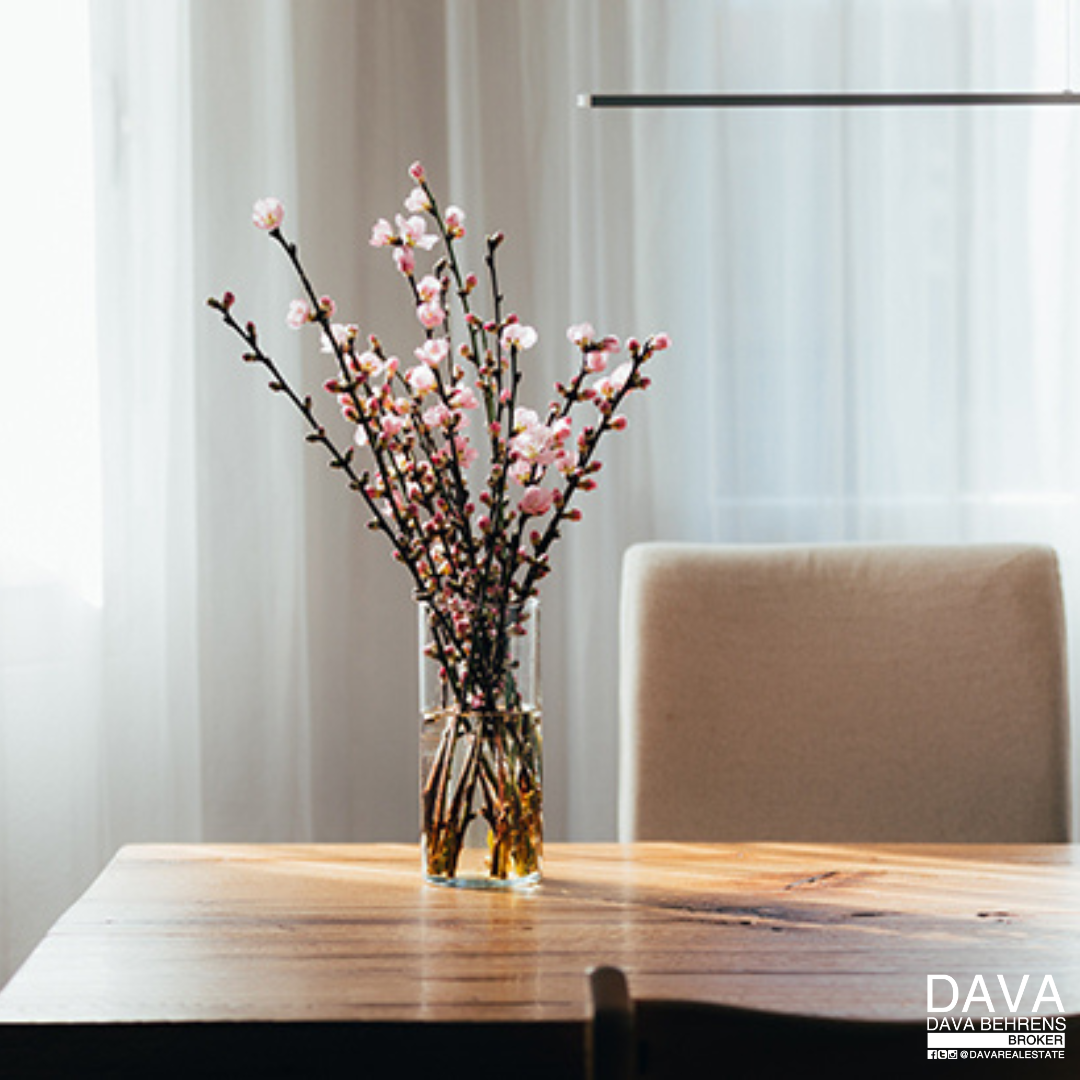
[(481, 783)]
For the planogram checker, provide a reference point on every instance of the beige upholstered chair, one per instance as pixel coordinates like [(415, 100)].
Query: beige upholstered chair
[(843, 693)]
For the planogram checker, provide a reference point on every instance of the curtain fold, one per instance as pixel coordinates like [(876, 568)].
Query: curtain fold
[(874, 338), (50, 581)]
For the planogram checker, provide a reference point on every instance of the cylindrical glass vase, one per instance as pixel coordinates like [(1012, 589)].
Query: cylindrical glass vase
[(481, 783)]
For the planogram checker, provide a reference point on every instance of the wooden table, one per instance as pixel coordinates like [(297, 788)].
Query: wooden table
[(182, 951)]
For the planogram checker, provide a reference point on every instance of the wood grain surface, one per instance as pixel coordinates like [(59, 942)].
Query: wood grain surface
[(322, 933)]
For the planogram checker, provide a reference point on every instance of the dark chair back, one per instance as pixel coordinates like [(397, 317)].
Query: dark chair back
[(646, 1039)]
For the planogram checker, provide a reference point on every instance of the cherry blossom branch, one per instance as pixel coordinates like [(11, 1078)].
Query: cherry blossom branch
[(320, 312), (338, 459), (610, 421), (472, 573)]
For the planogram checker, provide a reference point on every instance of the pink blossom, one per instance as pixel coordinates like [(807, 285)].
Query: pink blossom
[(429, 288), (561, 429), (518, 336), (581, 334), (455, 221), (368, 363), (464, 398), (661, 341), (431, 314), (595, 361), (381, 234), (533, 444), (610, 344), (437, 416), (536, 501), (327, 306), (344, 336), (416, 171), (566, 461), (433, 351), (417, 201), (268, 212), (392, 425), (421, 378), (413, 232), (607, 388), (525, 418), (404, 259), (299, 314), (467, 453)]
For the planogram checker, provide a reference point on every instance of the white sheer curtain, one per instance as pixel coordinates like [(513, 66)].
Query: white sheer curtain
[(874, 337), (50, 547)]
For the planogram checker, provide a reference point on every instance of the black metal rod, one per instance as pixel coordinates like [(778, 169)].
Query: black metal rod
[(824, 101)]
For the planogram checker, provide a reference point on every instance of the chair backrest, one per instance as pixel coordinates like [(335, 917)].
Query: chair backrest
[(655, 1039), (843, 693)]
